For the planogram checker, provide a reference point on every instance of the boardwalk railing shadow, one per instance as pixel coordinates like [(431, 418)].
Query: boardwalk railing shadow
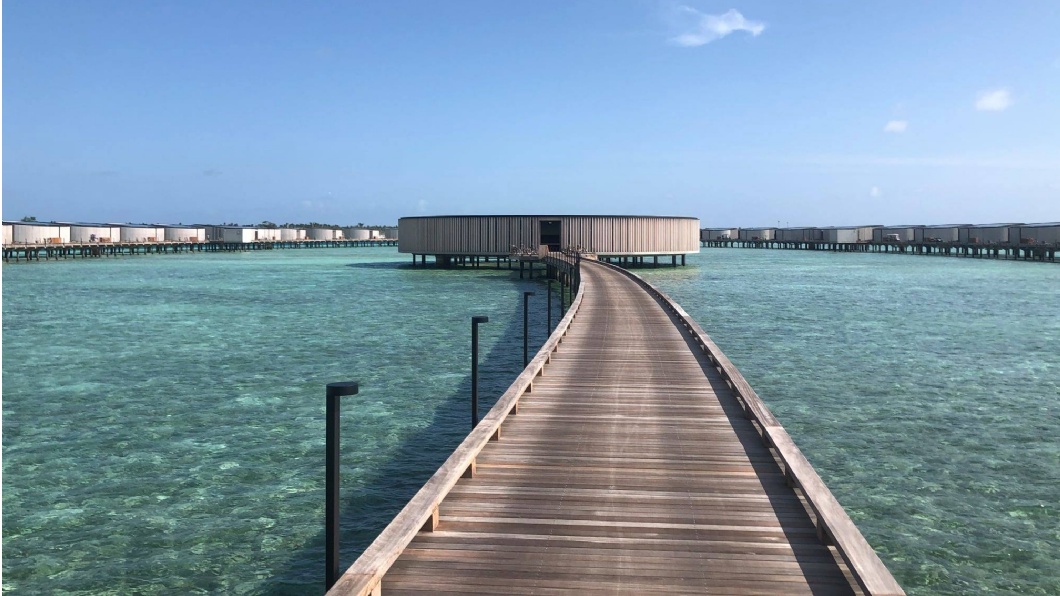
[(833, 526), (388, 488), (794, 522)]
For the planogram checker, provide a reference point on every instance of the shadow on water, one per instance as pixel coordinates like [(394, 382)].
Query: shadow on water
[(431, 267), (380, 265), (368, 509)]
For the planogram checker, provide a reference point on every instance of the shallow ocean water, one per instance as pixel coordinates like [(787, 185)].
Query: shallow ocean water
[(924, 390), (163, 421)]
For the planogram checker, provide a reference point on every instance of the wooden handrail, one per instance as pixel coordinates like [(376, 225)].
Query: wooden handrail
[(833, 523), (421, 513)]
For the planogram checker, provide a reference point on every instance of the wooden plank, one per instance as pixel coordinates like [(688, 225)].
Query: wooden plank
[(366, 572), (630, 467), (867, 568)]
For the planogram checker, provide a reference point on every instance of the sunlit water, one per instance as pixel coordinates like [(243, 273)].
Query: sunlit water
[(163, 422)]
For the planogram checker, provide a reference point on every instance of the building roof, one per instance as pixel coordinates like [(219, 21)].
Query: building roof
[(556, 216), (1039, 225), (50, 224)]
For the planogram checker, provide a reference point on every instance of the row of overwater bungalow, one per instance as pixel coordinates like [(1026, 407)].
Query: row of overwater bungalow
[(32, 232), (1008, 233)]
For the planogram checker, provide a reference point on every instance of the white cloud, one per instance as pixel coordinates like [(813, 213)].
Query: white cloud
[(421, 206), (993, 100), (875, 192), (896, 126), (700, 28)]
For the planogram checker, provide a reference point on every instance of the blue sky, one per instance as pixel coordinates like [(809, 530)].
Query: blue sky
[(739, 113)]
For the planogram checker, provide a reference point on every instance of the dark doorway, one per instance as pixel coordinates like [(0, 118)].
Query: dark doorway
[(550, 233)]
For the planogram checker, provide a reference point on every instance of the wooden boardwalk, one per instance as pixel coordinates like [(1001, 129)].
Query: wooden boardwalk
[(631, 466)]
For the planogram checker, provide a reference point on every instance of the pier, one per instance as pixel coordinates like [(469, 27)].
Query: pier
[(1015, 252), (82, 250), (629, 456)]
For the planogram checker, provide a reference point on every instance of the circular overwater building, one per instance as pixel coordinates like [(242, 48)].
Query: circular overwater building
[(628, 238)]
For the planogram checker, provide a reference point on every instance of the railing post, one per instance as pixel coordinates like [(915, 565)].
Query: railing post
[(475, 321), (331, 505), (526, 327)]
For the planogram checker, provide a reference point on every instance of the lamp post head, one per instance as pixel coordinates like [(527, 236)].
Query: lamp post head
[(343, 388), (529, 294), (480, 319)]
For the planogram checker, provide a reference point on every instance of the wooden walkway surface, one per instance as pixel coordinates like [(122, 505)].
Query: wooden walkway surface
[(630, 467)]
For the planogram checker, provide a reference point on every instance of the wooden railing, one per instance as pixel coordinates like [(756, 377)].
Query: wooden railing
[(833, 524), (421, 513)]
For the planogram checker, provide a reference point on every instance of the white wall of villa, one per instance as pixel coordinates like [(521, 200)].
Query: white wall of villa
[(357, 233), (943, 233), (185, 234), (323, 234), (848, 234), (1036, 233), (39, 233), (94, 233), (904, 233), (757, 233), (797, 234), (269, 234), (238, 235), (719, 234), (984, 234), (142, 233)]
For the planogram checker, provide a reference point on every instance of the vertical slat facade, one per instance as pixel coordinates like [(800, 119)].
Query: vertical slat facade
[(497, 235)]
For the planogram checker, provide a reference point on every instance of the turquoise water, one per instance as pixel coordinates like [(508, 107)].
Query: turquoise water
[(163, 421), (924, 390)]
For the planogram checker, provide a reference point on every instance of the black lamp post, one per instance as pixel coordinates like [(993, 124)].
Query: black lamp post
[(549, 330), (526, 327), (562, 292), (475, 321), (331, 506), (577, 274)]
